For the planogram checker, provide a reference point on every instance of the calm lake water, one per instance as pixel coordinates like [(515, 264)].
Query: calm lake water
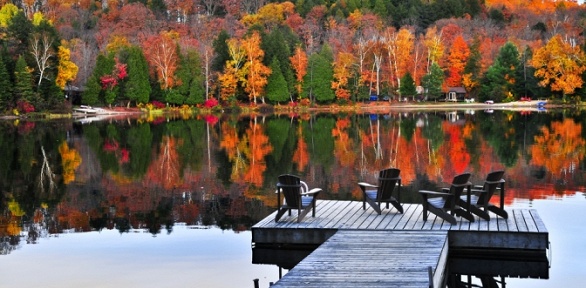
[(169, 202)]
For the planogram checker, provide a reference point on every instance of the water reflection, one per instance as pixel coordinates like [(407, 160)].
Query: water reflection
[(493, 268), (488, 269), (125, 174)]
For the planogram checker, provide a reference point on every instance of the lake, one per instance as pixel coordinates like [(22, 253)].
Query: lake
[(169, 201)]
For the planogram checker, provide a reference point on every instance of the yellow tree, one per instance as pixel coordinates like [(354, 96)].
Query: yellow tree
[(258, 73), (66, 70), (398, 45), (299, 63), (559, 65), (434, 45), (7, 11), (270, 15), (117, 43), (342, 71), (233, 71)]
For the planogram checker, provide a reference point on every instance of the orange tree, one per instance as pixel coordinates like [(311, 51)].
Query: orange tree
[(559, 65)]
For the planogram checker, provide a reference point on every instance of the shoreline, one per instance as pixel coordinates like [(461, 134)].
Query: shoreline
[(378, 107)]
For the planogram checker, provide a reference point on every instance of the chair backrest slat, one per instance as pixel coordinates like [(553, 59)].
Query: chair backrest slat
[(493, 181), (387, 180), (459, 183), (290, 185)]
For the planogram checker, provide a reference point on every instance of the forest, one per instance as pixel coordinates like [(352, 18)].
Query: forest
[(151, 53)]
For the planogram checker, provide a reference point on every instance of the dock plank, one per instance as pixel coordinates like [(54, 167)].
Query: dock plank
[(387, 259)]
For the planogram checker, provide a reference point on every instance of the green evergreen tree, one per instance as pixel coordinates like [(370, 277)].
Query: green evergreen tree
[(432, 82), (173, 97), (137, 88), (474, 7), (19, 31), (526, 85), (159, 8), (473, 65), (407, 86), (23, 83), (276, 89), (5, 87), (110, 95), (317, 83), (91, 95), (380, 9), (279, 43), (222, 54), (191, 78), (104, 66), (498, 81)]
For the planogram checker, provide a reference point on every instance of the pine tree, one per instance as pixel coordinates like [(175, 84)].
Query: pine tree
[(407, 85), (432, 82), (276, 89), (91, 95), (471, 76), (317, 83), (190, 75), (137, 87), (279, 44), (499, 80), (5, 86), (222, 55), (104, 66), (23, 81)]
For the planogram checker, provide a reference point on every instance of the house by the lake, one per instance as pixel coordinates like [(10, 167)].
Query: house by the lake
[(456, 94)]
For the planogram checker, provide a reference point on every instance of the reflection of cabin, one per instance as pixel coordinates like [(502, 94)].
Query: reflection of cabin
[(456, 94)]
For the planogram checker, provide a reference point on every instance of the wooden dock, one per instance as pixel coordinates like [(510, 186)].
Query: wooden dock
[(373, 259), (352, 237)]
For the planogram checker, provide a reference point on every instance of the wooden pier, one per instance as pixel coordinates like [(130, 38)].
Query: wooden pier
[(362, 248)]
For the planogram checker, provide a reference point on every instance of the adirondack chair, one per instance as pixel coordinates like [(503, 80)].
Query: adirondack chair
[(375, 195), (481, 194), (446, 204), (297, 196)]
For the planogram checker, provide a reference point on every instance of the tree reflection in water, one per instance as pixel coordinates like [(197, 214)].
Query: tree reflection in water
[(62, 176)]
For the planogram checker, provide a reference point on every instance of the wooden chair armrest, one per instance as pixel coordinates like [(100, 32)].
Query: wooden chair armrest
[(464, 184), (427, 192), (477, 191), (367, 185), (304, 185), (312, 191)]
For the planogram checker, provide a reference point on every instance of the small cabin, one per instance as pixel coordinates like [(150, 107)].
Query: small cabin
[(456, 94)]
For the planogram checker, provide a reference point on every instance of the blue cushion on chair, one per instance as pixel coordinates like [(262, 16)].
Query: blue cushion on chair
[(371, 194), (306, 200)]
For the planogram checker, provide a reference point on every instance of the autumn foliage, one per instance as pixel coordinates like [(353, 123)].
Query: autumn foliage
[(369, 47)]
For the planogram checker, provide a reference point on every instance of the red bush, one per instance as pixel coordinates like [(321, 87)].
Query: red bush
[(25, 107), (158, 104), (210, 103)]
